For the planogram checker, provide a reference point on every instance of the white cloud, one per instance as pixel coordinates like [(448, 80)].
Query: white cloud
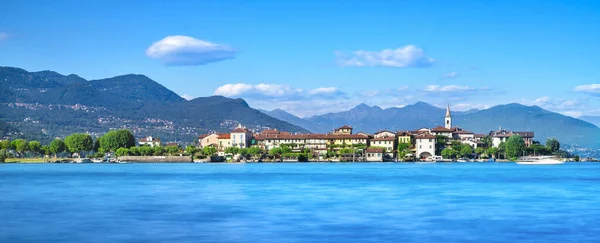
[(447, 88), (179, 50), (573, 113), (369, 93), (324, 90), (467, 106), (282, 92), (187, 97), (3, 35), (403, 57), (593, 89), (574, 108), (450, 75)]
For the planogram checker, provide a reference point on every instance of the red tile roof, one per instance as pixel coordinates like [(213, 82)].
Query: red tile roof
[(441, 129), (145, 139), (463, 132), (239, 130), (425, 136), (309, 136), (344, 127), (224, 136)]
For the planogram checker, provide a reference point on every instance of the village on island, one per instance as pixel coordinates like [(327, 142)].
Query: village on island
[(447, 143)]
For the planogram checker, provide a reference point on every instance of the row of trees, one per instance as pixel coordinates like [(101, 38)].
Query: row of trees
[(77, 143), (512, 148)]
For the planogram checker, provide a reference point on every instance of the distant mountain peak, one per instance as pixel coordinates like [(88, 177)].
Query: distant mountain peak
[(365, 107)]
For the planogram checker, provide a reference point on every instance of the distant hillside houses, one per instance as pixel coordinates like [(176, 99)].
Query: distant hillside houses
[(380, 146)]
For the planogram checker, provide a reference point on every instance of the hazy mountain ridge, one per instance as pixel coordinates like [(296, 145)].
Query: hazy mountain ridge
[(516, 117), (47, 104)]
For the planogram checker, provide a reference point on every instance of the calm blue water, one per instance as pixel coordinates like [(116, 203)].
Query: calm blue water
[(362, 202)]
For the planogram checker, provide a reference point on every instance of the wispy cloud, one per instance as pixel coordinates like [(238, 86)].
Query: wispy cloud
[(593, 89), (569, 107), (179, 50), (404, 57), (449, 88), (450, 75), (282, 92), (187, 97)]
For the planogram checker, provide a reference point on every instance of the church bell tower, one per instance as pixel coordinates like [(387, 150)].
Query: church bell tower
[(448, 120)]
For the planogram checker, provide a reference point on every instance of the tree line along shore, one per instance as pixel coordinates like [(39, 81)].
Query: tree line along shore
[(120, 143)]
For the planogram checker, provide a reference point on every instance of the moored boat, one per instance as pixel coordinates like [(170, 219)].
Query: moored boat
[(543, 160)]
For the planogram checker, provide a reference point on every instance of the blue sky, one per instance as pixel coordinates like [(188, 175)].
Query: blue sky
[(312, 57)]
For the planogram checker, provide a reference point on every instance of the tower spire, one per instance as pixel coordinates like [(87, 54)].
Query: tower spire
[(448, 119)]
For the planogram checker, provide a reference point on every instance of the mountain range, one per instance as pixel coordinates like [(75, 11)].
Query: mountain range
[(46, 104), (515, 117), (591, 119)]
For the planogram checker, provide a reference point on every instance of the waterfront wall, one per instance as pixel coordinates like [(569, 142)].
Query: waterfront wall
[(156, 159)]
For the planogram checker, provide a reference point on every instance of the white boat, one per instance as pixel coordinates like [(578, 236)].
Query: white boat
[(437, 159), (542, 160)]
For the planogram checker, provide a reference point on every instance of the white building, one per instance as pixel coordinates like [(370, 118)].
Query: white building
[(241, 137), (152, 141), (425, 145), (388, 143), (383, 134)]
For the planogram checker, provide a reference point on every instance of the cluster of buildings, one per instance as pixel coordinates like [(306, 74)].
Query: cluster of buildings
[(380, 146)]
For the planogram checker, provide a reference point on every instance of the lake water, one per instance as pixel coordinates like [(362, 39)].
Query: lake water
[(301, 202)]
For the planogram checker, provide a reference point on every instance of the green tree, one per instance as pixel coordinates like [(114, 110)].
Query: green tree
[(96, 145), (191, 150), (440, 142), (487, 140), (285, 149), (403, 150), (5, 144), (576, 158), (116, 139), (209, 150), (21, 146), (538, 149), (466, 151), (231, 150), (480, 151), (255, 152), (275, 152), (243, 152), (514, 146), (158, 151), (122, 152), (448, 153), (78, 142), (146, 150), (553, 145), (35, 147), (493, 151), (46, 150), (135, 151), (57, 146), (173, 150)]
